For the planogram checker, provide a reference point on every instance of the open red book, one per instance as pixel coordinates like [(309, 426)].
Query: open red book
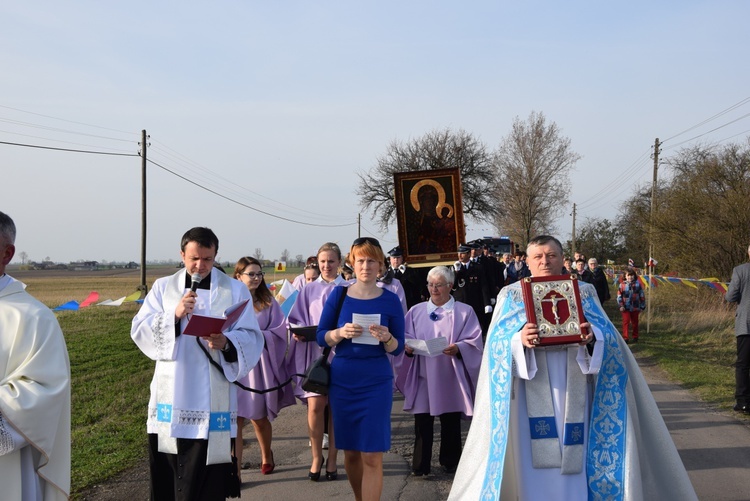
[(554, 305), (204, 325)]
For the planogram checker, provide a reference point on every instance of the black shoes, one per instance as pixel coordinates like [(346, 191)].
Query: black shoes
[(315, 475), (745, 408)]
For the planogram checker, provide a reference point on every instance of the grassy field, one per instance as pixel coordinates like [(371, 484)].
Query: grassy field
[(691, 338), (110, 376)]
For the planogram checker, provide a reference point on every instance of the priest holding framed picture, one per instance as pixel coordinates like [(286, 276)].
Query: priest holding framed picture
[(574, 420)]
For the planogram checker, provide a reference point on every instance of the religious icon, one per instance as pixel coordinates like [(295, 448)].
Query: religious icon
[(554, 305), (430, 215)]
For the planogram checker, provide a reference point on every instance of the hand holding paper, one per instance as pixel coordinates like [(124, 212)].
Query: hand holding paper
[(428, 347)]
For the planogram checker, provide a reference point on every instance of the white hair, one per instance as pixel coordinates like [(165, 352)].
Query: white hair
[(441, 272)]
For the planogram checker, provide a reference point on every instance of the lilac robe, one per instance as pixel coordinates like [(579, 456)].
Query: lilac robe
[(270, 371), (306, 311), (441, 384), (299, 281)]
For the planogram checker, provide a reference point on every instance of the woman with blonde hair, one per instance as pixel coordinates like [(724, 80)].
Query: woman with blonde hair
[(269, 372), (306, 312), (367, 332)]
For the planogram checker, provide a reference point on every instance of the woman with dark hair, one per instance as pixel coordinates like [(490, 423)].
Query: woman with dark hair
[(270, 371), (306, 312), (632, 301), (369, 328), (311, 268)]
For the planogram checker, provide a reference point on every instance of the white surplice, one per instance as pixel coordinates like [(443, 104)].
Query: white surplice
[(34, 398), (186, 387)]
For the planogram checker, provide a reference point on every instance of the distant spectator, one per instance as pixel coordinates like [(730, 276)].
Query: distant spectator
[(632, 301), (739, 292), (596, 277)]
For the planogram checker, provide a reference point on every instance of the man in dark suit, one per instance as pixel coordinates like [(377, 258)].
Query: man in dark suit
[(411, 279), (470, 286), (739, 292)]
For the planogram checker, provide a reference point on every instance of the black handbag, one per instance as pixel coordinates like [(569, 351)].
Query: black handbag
[(318, 374)]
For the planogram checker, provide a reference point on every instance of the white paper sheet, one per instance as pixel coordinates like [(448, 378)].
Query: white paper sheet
[(366, 321), (428, 348)]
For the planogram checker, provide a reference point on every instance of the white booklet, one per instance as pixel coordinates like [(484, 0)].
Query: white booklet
[(428, 347), (366, 321)]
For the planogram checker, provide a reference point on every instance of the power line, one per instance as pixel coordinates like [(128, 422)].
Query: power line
[(248, 206), (723, 112), (231, 185), (68, 121), (70, 150), (710, 131)]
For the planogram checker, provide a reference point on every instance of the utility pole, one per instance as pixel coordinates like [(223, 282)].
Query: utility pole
[(359, 225), (144, 144), (657, 144), (573, 238)]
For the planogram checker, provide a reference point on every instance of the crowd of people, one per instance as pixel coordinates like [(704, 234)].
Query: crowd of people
[(452, 339)]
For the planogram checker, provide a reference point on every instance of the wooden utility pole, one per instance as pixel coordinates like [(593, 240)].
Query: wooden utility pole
[(573, 234), (651, 235), (144, 143), (359, 225)]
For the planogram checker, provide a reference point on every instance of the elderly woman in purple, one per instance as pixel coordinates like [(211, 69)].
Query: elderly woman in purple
[(270, 371), (306, 312), (442, 385)]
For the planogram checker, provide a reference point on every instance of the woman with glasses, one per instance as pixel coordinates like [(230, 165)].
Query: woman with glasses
[(444, 384), (306, 312), (270, 371), (367, 332)]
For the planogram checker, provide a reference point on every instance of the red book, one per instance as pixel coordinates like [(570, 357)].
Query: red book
[(554, 304), (205, 325)]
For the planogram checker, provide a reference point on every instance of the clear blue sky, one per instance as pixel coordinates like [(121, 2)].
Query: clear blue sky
[(278, 105)]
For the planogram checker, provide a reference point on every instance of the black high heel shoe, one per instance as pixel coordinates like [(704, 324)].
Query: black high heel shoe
[(332, 475), (315, 475)]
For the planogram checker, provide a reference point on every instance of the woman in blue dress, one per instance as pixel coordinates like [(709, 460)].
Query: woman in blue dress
[(369, 327)]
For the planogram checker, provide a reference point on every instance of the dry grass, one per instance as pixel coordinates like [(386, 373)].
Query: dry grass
[(692, 338)]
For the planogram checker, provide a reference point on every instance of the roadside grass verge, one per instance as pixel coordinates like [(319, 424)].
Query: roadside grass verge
[(691, 338)]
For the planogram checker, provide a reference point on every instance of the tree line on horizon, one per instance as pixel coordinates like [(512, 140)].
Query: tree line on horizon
[(701, 224)]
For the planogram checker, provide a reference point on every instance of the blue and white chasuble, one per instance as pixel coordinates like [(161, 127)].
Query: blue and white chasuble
[(628, 453)]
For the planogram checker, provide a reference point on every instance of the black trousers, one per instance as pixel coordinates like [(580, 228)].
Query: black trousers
[(450, 441), (185, 476), (742, 370)]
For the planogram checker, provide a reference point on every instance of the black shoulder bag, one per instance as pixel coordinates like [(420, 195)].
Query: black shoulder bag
[(318, 374)]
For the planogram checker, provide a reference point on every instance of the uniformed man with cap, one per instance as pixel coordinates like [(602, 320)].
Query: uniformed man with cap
[(410, 278), (471, 287)]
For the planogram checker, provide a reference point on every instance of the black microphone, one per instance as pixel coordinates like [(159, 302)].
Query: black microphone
[(195, 279)]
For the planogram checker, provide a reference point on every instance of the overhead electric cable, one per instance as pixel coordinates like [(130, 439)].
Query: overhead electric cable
[(71, 150), (68, 121), (733, 107), (245, 205)]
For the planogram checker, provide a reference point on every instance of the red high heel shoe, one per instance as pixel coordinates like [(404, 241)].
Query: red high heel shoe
[(267, 468)]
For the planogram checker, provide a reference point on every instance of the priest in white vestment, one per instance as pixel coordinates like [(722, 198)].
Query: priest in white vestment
[(563, 423), (34, 391), (192, 412)]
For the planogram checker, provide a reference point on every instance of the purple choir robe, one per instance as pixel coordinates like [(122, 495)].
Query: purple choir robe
[(299, 282), (306, 311), (441, 384), (270, 371)]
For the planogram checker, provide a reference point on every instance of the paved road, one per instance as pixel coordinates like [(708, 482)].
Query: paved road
[(714, 446)]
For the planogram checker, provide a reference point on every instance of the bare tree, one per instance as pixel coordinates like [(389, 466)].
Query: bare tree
[(299, 259), (702, 217), (285, 255), (24, 257), (438, 149), (533, 164), (258, 254)]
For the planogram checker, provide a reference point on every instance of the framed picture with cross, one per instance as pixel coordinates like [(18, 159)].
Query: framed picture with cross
[(554, 304)]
